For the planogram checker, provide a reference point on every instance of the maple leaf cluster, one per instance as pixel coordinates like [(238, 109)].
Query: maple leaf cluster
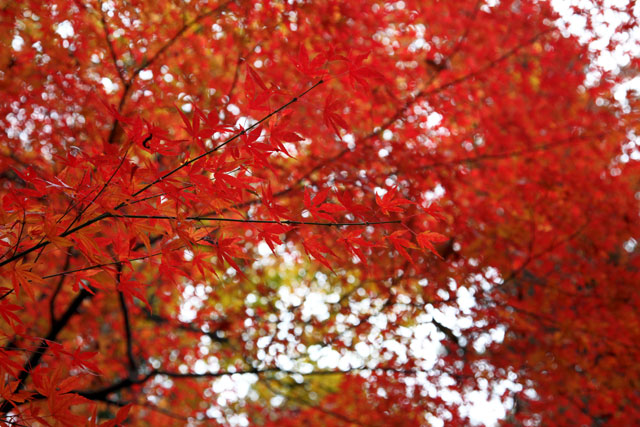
[(315, 213)]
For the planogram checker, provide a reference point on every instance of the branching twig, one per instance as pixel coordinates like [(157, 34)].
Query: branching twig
[(231, 139), (52, 301), (100, 217), (35, 358), (187, 327), (133, 367), (112, 51), (104, 187), (255, 221)]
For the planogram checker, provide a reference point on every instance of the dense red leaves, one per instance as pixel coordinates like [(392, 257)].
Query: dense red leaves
[(356, 244), (306, 65), (390, 202), (280, 133), (332, 117), (428, 238), (362, 212), (318, 206)]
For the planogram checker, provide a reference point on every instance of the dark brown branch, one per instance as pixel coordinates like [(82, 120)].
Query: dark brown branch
[(257, 371), (56, 327), (486, 67), (153, 196), (52, 301), (187, 327), (102, 394), (36, 357), (133, 367), (447, 332), (5, 420)]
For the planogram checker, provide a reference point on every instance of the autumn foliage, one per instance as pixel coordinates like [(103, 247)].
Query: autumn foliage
[(315, 213)]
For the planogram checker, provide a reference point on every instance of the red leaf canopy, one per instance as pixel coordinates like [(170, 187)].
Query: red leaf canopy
[(317, 213)]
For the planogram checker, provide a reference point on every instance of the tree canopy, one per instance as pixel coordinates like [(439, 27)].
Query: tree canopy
[(317, 213)]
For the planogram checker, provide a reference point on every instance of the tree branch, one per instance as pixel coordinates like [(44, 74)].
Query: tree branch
[(187, 327), (36, 357), (52, 301), (102, 394), (399, 113), (133, 368), (104, 187), (112, 51), (128, 84), (315, 407), (509, 155), (102, 216), (231, 139), (255, 221), (175, 38)]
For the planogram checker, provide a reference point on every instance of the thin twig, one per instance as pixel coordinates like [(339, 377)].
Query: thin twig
[(112, 51), (231, 139), (102, 216), (133, 368), (254, 221), (104, 187), (175, 38), (52, 301)]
